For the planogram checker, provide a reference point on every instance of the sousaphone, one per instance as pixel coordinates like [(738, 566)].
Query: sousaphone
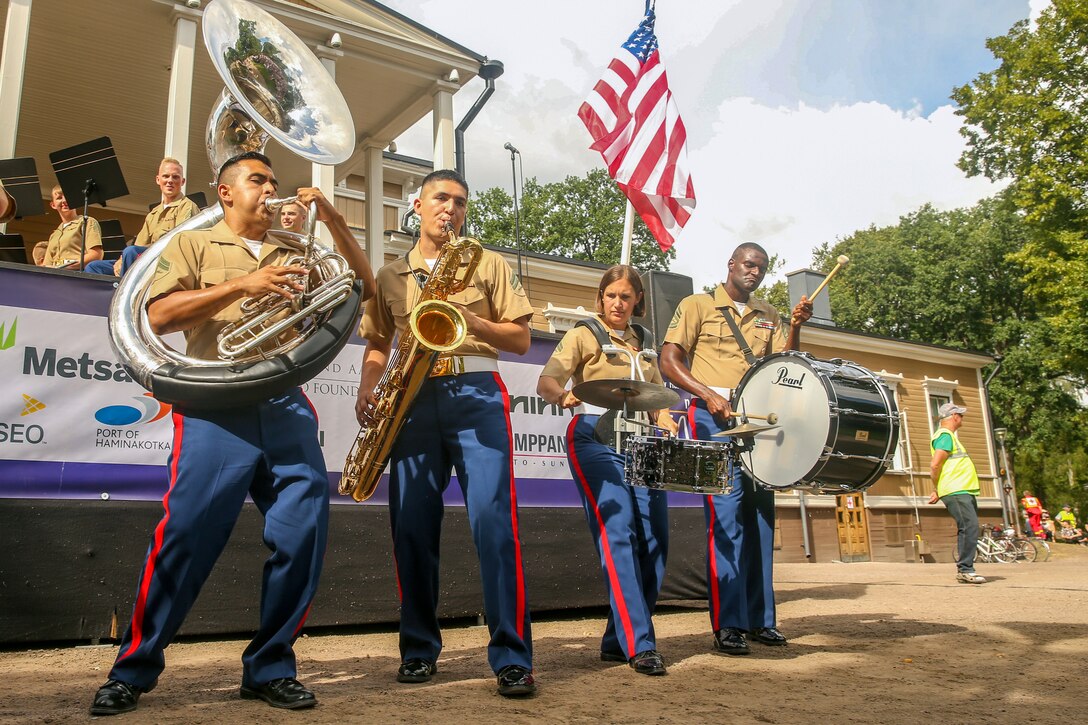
[(275, 88)]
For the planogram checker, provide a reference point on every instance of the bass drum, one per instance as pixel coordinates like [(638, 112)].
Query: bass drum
[(838, 424)]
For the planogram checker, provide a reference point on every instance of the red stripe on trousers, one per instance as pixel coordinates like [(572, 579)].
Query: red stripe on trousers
[(711, 550), (514, 508), (712, 558), (149, 568), (606, 551)]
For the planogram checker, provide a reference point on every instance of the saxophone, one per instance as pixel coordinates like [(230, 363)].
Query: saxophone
[(434, 327)]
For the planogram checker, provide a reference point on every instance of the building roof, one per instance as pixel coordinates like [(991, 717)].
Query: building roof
[(108, 72)]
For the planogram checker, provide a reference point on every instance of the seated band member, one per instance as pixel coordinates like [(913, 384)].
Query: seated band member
[(629, 525), (66, 242), (460, 420), (38, 253), (293, 218), (173, 209), (267, 450), (740, 524)]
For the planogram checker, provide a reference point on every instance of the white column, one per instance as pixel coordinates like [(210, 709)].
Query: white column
[(442, 116), (324, 177), (375, 207), (180, 98), (12, 65)]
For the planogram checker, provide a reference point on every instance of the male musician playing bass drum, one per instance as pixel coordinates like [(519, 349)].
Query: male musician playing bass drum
[(703, 355), (460, 419)]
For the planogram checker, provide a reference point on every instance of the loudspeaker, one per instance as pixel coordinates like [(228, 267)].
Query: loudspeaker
[(663, 292)]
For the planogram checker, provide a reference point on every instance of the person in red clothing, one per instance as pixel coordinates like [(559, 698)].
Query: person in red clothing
[(1034, 509)]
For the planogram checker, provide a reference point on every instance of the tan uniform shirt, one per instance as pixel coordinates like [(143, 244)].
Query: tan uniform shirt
[(495, 294), (579, 358), (66, 241), (202, 259), (163, 218), (12, 210), (714, 355)]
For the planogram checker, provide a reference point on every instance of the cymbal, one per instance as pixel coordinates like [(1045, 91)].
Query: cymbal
[(639, 394), (748, 429)]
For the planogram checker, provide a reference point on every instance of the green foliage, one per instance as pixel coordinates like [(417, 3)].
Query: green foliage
[(579, 217), (952, 278), (1026, 120)]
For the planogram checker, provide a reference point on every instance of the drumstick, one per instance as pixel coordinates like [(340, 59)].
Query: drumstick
[(841, 262), (771, 418)]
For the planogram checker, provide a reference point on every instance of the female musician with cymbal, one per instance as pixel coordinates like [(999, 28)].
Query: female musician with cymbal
[(629, 525)]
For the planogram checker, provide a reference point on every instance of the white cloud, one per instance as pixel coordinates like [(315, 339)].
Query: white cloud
[(793, 178)]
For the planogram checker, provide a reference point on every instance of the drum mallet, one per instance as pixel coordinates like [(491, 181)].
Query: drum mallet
[(771, 418), (841, 262)]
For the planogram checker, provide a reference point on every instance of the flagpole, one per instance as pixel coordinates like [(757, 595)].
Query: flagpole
[(628, 231)]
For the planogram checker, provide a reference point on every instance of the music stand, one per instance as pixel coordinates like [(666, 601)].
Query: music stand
[(20, 177), (89, 171), (113, 238), (12, 248)]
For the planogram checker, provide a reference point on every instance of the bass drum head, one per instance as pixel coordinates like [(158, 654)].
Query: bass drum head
[(787, 385)]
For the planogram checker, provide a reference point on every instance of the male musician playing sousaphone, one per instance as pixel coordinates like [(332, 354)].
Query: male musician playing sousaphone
[(711, 341), (268, 450), (459, 419), (629, 525)]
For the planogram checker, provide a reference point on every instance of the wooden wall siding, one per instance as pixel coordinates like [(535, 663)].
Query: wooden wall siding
[(911, 399), (937, 529), (354, 211), (560, 294), (390, 189)]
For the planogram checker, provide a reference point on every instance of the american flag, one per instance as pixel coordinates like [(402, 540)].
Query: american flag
[(635, 126)]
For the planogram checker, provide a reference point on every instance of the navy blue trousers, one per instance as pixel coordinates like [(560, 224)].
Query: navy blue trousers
[(630, 528), (461, 423), (740, 543), (128, 256), (269, 451)]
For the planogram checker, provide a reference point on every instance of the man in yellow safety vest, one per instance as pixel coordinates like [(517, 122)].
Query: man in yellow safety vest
[(956, 485)]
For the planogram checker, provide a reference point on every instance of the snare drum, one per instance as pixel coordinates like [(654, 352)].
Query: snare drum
[(837, 423), (678, 465)]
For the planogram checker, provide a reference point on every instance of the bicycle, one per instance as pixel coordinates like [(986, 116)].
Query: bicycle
[(996, 550)]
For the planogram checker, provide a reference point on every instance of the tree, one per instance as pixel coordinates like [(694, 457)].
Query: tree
[(579, 217), (1028, 121), (951, 278)]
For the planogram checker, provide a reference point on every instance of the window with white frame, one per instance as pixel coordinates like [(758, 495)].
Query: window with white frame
[(892, 380), (938, 392)]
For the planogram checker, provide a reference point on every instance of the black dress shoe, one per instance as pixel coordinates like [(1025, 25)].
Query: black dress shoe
[(285, 692), (613, 657), (416, 671), (516, 681), (731, 641), (116, 697), (648, 663), (769, 636)]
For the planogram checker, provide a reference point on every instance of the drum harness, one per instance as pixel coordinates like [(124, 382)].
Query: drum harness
[(612, 428)]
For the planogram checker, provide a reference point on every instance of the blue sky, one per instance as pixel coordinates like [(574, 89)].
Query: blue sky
[(807, 119)]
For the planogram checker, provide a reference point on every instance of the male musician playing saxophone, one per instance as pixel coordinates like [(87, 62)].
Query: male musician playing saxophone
[(173, 209), (740, 589), (66, 242), (460, 419), (268, 450)]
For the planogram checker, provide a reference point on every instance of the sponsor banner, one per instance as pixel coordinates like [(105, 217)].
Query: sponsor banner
[(74, 425)]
